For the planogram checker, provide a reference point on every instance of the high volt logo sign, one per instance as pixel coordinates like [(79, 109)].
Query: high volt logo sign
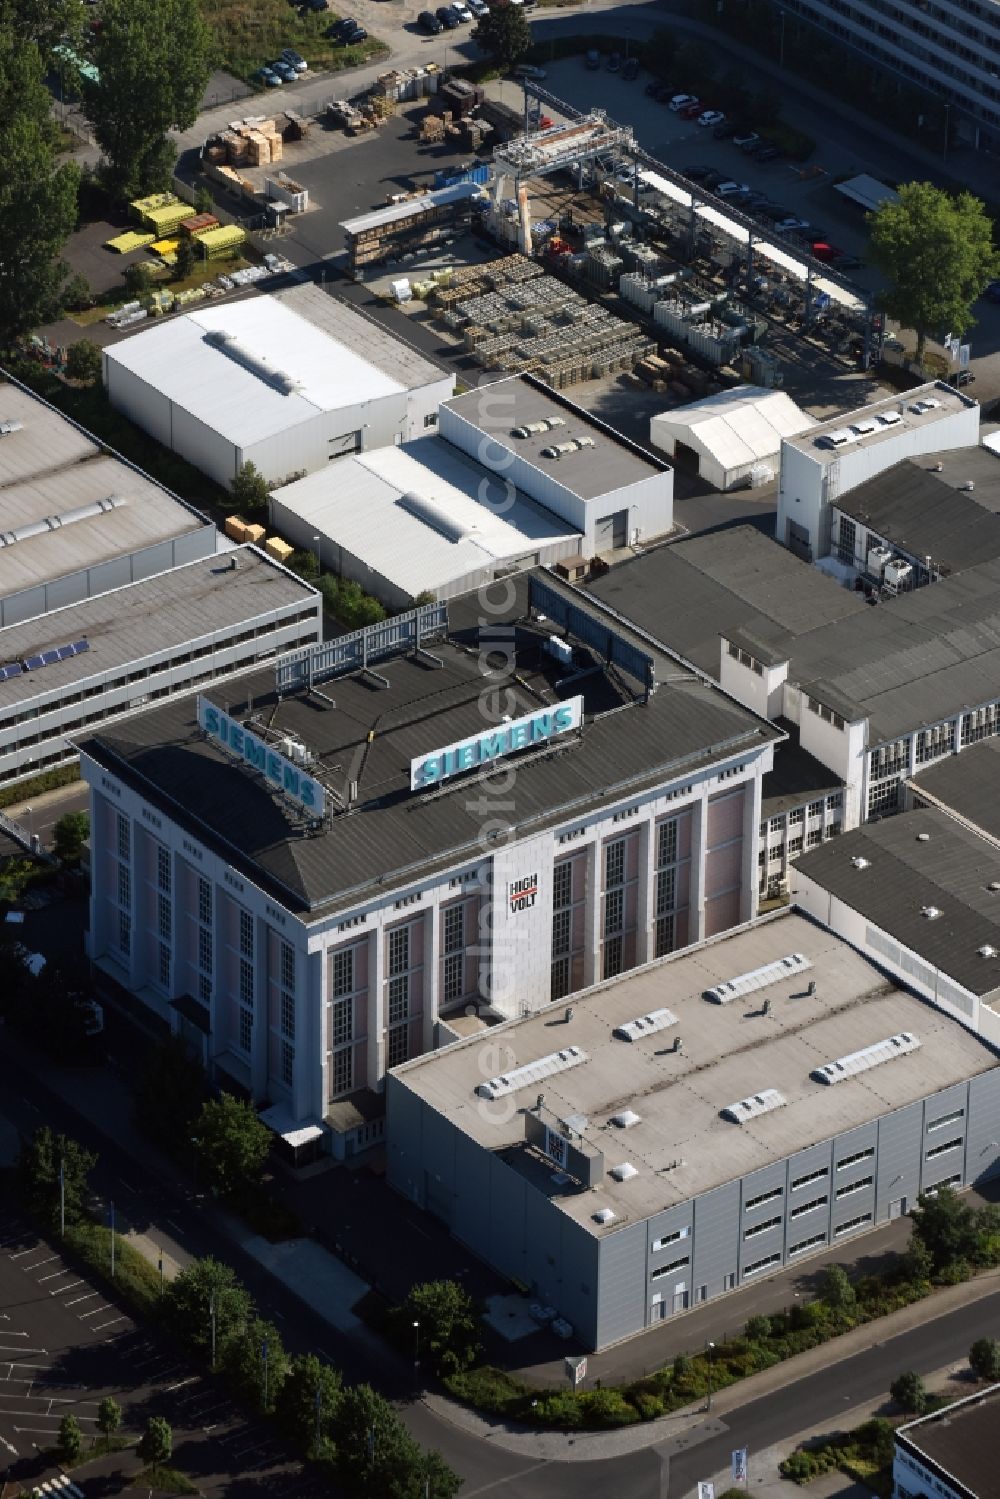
[(522, 894)]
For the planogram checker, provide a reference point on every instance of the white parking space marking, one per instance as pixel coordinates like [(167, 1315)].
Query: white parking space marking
[(95, 1311), (53, 1275), (89, 1297), (99, 1325), (39, 1263), (191, 1379), (70, 1286), (9, 1447), (19, 1351)]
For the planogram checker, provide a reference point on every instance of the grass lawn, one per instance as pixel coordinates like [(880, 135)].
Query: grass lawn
[(247, 35)]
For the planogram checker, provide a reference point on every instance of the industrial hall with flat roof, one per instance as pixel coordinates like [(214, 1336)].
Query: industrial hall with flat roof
[(311, 939)]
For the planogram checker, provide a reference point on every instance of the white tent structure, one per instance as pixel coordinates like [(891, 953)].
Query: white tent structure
[(730, 439)]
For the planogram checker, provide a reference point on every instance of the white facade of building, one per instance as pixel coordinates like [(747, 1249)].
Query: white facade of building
[(605, 489), (305, 1012), (837, 455), (285, 383)]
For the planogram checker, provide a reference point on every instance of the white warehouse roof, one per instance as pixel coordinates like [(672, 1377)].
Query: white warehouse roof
[(735, 427), (422, 514), (254, 368)]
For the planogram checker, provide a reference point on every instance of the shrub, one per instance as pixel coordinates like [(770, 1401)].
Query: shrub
[(559, 1408), (910, 1392), (984, 1358), (607, 1408), (758, 1329), (682, 1367), (648, 1405), (84, 362), (70, 1438)]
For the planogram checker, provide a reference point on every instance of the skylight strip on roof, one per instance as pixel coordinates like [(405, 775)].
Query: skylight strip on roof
[(645, 1025), (759, 978), (532, 1072), (867, 1058), (752, 1108)]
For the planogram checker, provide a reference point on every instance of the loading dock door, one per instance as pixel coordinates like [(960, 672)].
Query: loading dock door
[(611, 531)]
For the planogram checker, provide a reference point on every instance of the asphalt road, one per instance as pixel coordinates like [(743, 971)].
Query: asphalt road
[(177, 1219)]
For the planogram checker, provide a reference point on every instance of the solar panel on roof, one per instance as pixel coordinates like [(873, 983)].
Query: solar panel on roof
[(49, 657), (12, 669), (31, 663), (79, 646)]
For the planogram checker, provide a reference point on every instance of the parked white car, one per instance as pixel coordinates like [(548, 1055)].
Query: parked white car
[(711, 117), (681, 101)]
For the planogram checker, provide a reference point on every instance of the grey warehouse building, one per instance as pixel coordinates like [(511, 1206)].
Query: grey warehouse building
[(693, 1127)]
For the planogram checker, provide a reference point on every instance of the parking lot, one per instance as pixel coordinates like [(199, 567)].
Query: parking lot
[(65, 1345)]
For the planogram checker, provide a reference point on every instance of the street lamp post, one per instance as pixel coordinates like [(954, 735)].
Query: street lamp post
[(710, 1349), (318, 544), (416, 1346), (211, 1313)]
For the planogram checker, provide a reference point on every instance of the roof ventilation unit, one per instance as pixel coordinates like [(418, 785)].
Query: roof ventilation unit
[(987, 950), (626, 1119), (868, 1057), (645, 1025), (864, 426), (969, 485), (435, 515), (753, 1107), (839, 438), (927, 403), (624, 1172), (572, 445), (923, 837), (890, 418), (930, 913), (994, 886), (6, 428), (759, 978), (533, 429), (532, 1072), (604, 1215), (860, 862)]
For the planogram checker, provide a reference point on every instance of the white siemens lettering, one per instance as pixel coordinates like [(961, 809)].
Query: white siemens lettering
[(280, 772), (505, 739)]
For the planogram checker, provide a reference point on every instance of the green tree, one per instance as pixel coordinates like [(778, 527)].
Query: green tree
[(233, 1144), (988, 1234), (138, 279), (304, 563), (76, 294), (249, 488), (945, 1226), (758, 1329), (152, 58), (189, 1301), (73, 828), (37, 197), (243, 1362), (937, 253), (447, 1324), (84, 363), (306, 1403), (185, 258), (170, 1091), (984, 1359), (837, 1292), (109, 1418), (203, 202), (909, 1392), (70, 1438), (157, 1442), (38, 1171), (916, 1261), (31, 23), (504, 33), (376, 1454)]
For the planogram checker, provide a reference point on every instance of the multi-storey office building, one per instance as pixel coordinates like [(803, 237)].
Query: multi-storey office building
[(695, 1126), (951, 48), (308, 939)]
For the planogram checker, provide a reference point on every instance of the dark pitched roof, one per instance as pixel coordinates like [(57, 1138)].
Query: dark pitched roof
[(726, 583), (914, 660), (797, 776), (960, 1441), (929, 513), (393, 836), (967, 784), (951, 871)]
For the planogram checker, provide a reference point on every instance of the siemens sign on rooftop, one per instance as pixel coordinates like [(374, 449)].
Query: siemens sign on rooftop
[(305, 956), (480, 749)]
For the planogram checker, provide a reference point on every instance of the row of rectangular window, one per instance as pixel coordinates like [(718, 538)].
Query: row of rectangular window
[(858, 1186), (756, 1202), (809, 1207), (759, 1265), (812, 1242), (762, 1228), (943, 1149), (662, 1270), (859, 1155), (809, 1178), (852, 1224), (671, 1238), (945, 1119)]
